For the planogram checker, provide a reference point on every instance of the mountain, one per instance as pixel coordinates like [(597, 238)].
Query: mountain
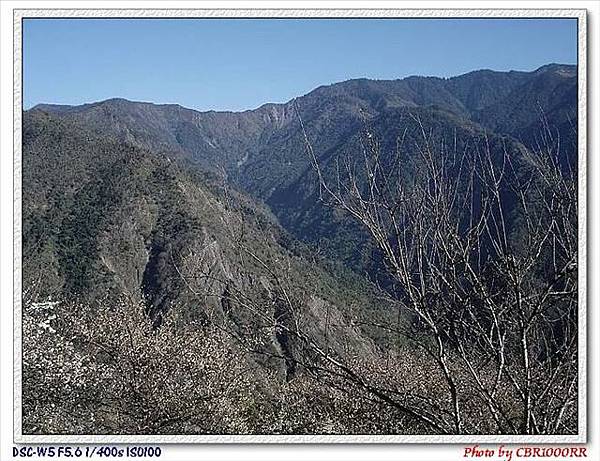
[(263, 150), (213, 227), (105, 221), (102, 219)]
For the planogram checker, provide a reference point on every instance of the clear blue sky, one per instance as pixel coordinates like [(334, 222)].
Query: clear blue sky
[(237, 64)]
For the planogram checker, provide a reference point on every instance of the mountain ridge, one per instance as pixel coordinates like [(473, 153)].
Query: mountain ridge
[(545, 67), (263, 152)]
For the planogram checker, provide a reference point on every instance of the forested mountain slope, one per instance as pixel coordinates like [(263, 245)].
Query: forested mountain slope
[(372, 257), (263, 151)]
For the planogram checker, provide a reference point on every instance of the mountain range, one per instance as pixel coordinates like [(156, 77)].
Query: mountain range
[(159, 203), (262, 151)]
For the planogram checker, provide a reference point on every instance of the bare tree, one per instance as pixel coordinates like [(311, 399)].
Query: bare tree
[(262, 287), (481, 244)]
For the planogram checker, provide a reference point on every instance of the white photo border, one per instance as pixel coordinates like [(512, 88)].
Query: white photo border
[(333, 13)]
